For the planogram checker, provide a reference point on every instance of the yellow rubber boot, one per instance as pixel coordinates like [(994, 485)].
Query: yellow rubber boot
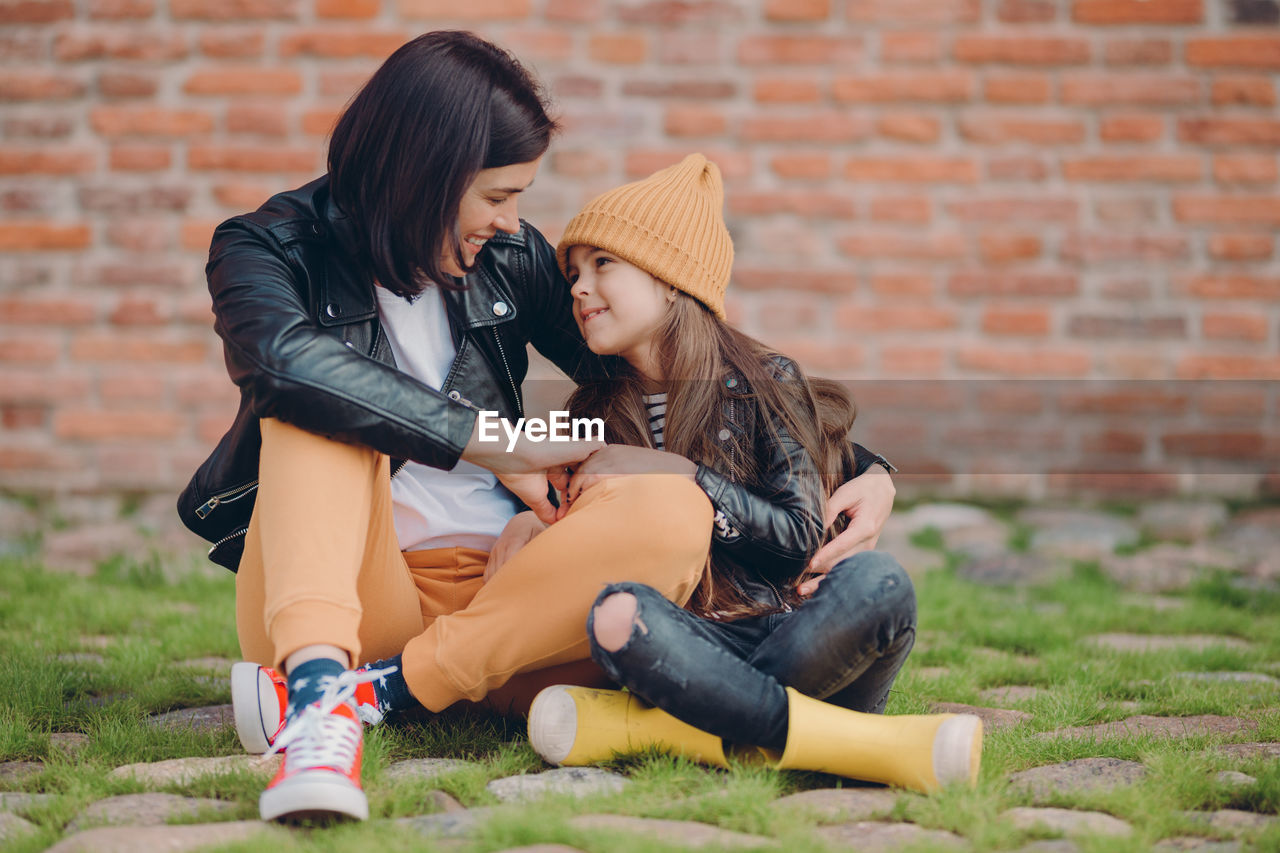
[(581, 725), (919, 752)]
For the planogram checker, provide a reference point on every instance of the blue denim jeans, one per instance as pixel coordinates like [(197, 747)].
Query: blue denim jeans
[(844, 645)]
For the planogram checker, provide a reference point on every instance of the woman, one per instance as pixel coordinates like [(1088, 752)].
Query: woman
[(367, 318)]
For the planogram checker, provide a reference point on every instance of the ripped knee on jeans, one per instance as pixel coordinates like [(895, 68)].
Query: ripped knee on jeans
[(614, 619)]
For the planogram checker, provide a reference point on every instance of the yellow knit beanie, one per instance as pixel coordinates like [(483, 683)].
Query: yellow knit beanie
[(669, 225)]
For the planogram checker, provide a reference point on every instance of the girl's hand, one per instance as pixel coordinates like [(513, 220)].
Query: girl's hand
[(622, 460), (519, 531), (867, 500)]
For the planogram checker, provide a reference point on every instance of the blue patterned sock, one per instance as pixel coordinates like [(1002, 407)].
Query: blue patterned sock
[(305, 683), (392, 691)]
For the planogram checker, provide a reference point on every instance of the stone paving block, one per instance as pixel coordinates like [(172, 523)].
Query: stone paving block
[(145, 810), (1079, 775), (541, 848), (17, 772), (210, 664), (685, 833), (1233, 821), (1009, 569), (1050, 845), (992, 718), (875, 837), (1251, 750), (1077, 534), (1203, 724), (17, 801), (1156, 643), (79, 550), (210, 718), (1200, 845), (578, 781), (1068, 821), (941, 516), (1234, 779), (1185, 521), (69, 744), (1011, 694), (424, 768), (829, 805), (1238, 677), (171, 839), (456, 824), (13, 827), (1166, 567), (184, 771)]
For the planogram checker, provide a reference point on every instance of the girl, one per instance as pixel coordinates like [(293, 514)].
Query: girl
[(748, 660)]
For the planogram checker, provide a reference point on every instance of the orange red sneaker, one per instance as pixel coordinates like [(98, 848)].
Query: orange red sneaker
[(260, 698)]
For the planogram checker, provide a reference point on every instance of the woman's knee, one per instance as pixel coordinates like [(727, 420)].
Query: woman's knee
[(877, 575), (672, 504), (613, 619)]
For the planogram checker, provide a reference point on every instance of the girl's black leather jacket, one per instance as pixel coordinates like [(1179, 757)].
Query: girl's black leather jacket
[(299, 323)]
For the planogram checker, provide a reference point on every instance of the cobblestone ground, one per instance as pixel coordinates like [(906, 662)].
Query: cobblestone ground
[(1153, 555)]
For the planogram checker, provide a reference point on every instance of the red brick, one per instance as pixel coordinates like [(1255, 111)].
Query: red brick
[(1244, 89), (1001, 247), (1262, 210), (673, 13), (141, 235), (140, 158), (113, 198), (42, 236), (1217, 445), (1139, 209), (797, 10), (135, 346), (258, 119), (545, 45), (904, 286), (1094, 90), (1132, 400), (580, 163), (1233, 404), (911, 361), (1114, 442), (31, 86), (1241, 247), (1011, 400), (252, 158), (918, 12), (243, 196), (340, 43), (833, 126), (1138, 51), (101, 425), (116, 10), (910, 47), (120, 44), (1015, 321), (912, 247), (1131, 128), (682, 48), (1230, 131), (1020, 362), (244, 81), (45, 311), (1235, 52), (1228, 367), (1017, 169), (618, 49), (802, 166), (126, 84), (28, 47), (701, 89), (1137, 12), (1021, 50), (578, 86), (774, 90), (1127, 327), (114, 122), (1235, 287), (831, 360), (1027, 11), (40, 385), (1245, 169), (909, 127), (642, 162), (165, 276), (1107, 246), (46, 161), (232, 43), (800, 50), (1012, 284), (197, 234), (27, 201), (911, 169), (343, 84), (35, 11), (14, 418), (818, 281), (574, 11), (1016, 209), (804, 204), (1017, 89), (320, 122), (693, 121), (918, 209), (348, 8), (932, 87), (132, 311), (786, 314), (1234, 327), (992, 128), (234, 10), (1152, 167)]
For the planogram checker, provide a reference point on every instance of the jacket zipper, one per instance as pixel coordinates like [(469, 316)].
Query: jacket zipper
[(225, 539), (497, 339), (226, 497)]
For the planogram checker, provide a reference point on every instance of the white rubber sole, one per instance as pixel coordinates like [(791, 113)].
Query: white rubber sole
[(553, 723), (256, 706), (314, 795), (953, 748)]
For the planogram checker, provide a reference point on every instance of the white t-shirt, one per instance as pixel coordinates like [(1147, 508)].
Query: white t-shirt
[(465, 506)]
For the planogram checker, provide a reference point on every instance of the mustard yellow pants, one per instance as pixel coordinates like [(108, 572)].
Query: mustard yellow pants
[(322, 565)]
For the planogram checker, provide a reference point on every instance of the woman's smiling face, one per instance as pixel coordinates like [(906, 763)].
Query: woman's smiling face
[(618, 306), (488, 206)]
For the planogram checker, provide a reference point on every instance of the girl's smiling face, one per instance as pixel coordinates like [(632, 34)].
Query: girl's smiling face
[(618, 306)]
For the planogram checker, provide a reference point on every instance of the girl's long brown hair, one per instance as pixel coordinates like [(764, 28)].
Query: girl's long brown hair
[(698, 353)]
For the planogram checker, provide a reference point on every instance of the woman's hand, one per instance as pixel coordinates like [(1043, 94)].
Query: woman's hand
[(621, 460), (519, 531), (867, 500)]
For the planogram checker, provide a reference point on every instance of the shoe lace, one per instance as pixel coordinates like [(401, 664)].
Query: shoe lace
[(320, 738)]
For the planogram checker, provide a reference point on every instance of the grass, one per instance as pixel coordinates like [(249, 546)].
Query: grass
[(97, 655)]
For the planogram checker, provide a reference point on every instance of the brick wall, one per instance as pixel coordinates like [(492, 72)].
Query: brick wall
[(1073, 201)]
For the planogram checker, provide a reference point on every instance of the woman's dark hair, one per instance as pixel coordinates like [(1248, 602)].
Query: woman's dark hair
[(440, 109)]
